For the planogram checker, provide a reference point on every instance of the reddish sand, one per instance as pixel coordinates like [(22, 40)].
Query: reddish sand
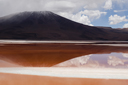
[(17, 79)]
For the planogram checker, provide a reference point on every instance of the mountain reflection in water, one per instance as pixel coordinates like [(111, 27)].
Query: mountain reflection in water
[(112, 60), (59, 54), (64, 63)]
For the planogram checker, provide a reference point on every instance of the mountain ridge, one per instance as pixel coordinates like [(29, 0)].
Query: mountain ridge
[(45, 25)]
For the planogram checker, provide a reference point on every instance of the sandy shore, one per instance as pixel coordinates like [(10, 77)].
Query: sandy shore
[(17, 79)]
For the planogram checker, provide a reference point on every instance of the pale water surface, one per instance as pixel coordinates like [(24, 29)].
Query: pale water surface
[(112, 65)]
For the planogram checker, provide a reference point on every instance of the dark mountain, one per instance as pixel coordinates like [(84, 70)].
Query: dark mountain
[(49, 26)]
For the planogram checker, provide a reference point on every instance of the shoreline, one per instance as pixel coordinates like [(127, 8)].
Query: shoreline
[(95, 73), (58, 41)]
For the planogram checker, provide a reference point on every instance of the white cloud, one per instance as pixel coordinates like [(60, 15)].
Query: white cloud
[(119, 10), (83, 17), (77, 17), (77, 62), (117, 19), (125, 25), (125, 54), (108, 5), (121, 3), (13, 6), (114, 61), (93, 14), (59, 6), (91, 6)]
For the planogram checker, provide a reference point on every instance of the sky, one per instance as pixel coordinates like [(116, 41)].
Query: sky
[(109, 13)]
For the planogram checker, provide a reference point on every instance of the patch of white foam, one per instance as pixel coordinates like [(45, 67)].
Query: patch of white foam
[(104, 73)]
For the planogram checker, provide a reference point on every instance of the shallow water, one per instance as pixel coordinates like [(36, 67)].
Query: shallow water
[(65, 59), (102, 66), (112, 60)]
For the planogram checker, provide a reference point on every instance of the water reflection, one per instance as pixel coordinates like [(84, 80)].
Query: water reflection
[(112, 60), (125, 55), (48, 55)]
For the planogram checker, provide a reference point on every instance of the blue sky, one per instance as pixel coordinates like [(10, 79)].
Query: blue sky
[(104, 20), (110, 13), (116, 10)]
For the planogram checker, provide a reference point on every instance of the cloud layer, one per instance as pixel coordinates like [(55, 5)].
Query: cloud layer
[(84, 17), (115, 19), (77, 10), (108, 5), (125, 25), (12, 6), (83, 11)]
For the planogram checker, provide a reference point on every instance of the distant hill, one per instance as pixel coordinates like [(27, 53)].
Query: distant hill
[(46, 25)]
